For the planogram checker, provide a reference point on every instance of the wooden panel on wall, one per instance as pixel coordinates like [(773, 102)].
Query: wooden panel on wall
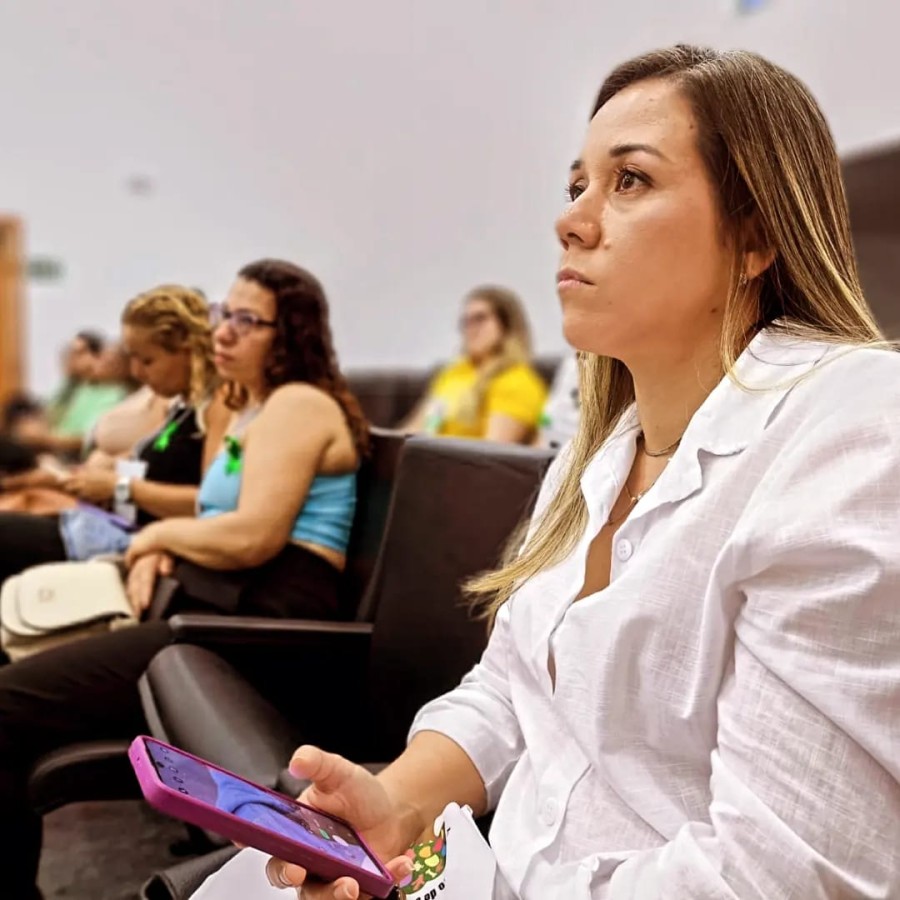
[(12, 337)]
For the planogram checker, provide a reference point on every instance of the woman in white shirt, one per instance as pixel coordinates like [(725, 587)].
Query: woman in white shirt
[(692, 687)]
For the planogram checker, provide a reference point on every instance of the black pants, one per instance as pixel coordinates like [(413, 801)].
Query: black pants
[(27, 540), (87, 690)]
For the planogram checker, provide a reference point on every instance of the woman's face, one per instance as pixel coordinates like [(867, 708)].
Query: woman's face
[(80, 362), (645, 268), (244, 337), (482, 331), (167, 374)]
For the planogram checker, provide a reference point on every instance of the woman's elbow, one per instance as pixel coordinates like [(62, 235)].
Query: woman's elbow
[(256, 549)]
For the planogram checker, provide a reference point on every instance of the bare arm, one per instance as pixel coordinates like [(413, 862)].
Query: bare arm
[(432, 772), (279, 464), (65, 444), (414, 423), (507, 430), (164, 501), (100, 460)]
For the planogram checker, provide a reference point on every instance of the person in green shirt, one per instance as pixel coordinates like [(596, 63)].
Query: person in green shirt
[(97, 380)]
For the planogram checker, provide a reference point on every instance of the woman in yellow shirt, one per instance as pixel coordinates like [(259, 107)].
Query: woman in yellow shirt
[(491, 392)]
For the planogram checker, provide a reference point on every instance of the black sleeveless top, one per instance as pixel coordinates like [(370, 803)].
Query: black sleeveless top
[(174, 454)]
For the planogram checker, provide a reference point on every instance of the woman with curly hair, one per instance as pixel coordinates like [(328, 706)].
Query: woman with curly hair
[(274, 514)]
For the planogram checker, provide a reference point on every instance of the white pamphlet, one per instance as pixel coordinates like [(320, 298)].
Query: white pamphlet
[(468, 869)]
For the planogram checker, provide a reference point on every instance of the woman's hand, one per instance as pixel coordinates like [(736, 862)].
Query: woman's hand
[(142, 580), (93, 485), (33, 478), (148, 540), (355, 795), (100, 460)]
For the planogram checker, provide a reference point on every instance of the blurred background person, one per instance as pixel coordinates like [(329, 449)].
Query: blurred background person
[(492, 391), (562, 411), (96, 380)]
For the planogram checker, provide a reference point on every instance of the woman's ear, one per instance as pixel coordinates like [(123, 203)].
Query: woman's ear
[(758, 253)]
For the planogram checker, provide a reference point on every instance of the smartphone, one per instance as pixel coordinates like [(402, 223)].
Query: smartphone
[(201, 794)]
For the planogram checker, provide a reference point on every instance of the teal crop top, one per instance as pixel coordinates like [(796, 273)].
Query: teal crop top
[(325, 518)]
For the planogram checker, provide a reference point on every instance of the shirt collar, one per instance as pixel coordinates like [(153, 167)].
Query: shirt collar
[(732, 416), (742, 404)]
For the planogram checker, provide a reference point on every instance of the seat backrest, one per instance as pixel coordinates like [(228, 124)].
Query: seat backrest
[(456, 503), (375, 484), (546, 367), (388, 396)]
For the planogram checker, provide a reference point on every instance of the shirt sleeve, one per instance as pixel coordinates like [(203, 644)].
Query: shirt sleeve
[(806, 773), (518, 393), (479, 714)]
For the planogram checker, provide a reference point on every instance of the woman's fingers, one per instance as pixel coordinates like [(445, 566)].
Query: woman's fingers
[(327, 771), (400, 867), (285, 875), (345, 889), (288, 875)]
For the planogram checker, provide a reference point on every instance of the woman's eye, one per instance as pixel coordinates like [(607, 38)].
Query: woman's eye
[(628, 180), (574, 191)]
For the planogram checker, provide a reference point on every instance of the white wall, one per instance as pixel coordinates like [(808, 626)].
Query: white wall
[(403, 150)]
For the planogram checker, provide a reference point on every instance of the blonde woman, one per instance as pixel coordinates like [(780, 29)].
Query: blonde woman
[(167, 337), (491, 392), (692, 687)]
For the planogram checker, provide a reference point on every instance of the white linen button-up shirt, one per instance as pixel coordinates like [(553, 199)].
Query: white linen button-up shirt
[(725, 720)]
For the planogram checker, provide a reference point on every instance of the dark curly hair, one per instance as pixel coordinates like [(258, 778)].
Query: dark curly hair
[(303, 349)]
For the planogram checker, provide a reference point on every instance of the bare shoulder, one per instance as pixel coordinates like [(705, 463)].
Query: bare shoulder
[(291, 400)]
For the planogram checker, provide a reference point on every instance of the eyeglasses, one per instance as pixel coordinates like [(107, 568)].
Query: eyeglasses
[(473, 320), (241, 321)]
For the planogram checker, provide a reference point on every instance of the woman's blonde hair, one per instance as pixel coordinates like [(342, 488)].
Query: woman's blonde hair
[(177, 319), (514, 349), (769, 151)]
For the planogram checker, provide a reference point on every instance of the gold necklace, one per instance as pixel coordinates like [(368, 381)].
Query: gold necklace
[(634, 499), (657, 454)]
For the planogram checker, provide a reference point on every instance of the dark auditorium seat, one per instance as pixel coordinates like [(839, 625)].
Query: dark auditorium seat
[(99, 770), (546, 367), (455, 504), (387, 397)]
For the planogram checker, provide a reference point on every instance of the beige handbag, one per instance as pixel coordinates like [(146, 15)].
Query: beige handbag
[(60, 602)]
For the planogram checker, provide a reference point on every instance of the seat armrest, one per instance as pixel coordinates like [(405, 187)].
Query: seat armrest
[(213, 630), (196, 700), (182, 881), (285, 658)]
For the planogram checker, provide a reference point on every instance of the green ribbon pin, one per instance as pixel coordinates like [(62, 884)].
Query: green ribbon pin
[(165, 436), (234, 452)]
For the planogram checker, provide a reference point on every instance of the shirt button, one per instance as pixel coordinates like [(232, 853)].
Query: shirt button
[(549, 811), (624, 549)]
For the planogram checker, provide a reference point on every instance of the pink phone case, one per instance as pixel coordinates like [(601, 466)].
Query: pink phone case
[(196, 812)]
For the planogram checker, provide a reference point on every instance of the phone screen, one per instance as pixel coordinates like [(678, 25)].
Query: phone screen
[(246, 801)]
